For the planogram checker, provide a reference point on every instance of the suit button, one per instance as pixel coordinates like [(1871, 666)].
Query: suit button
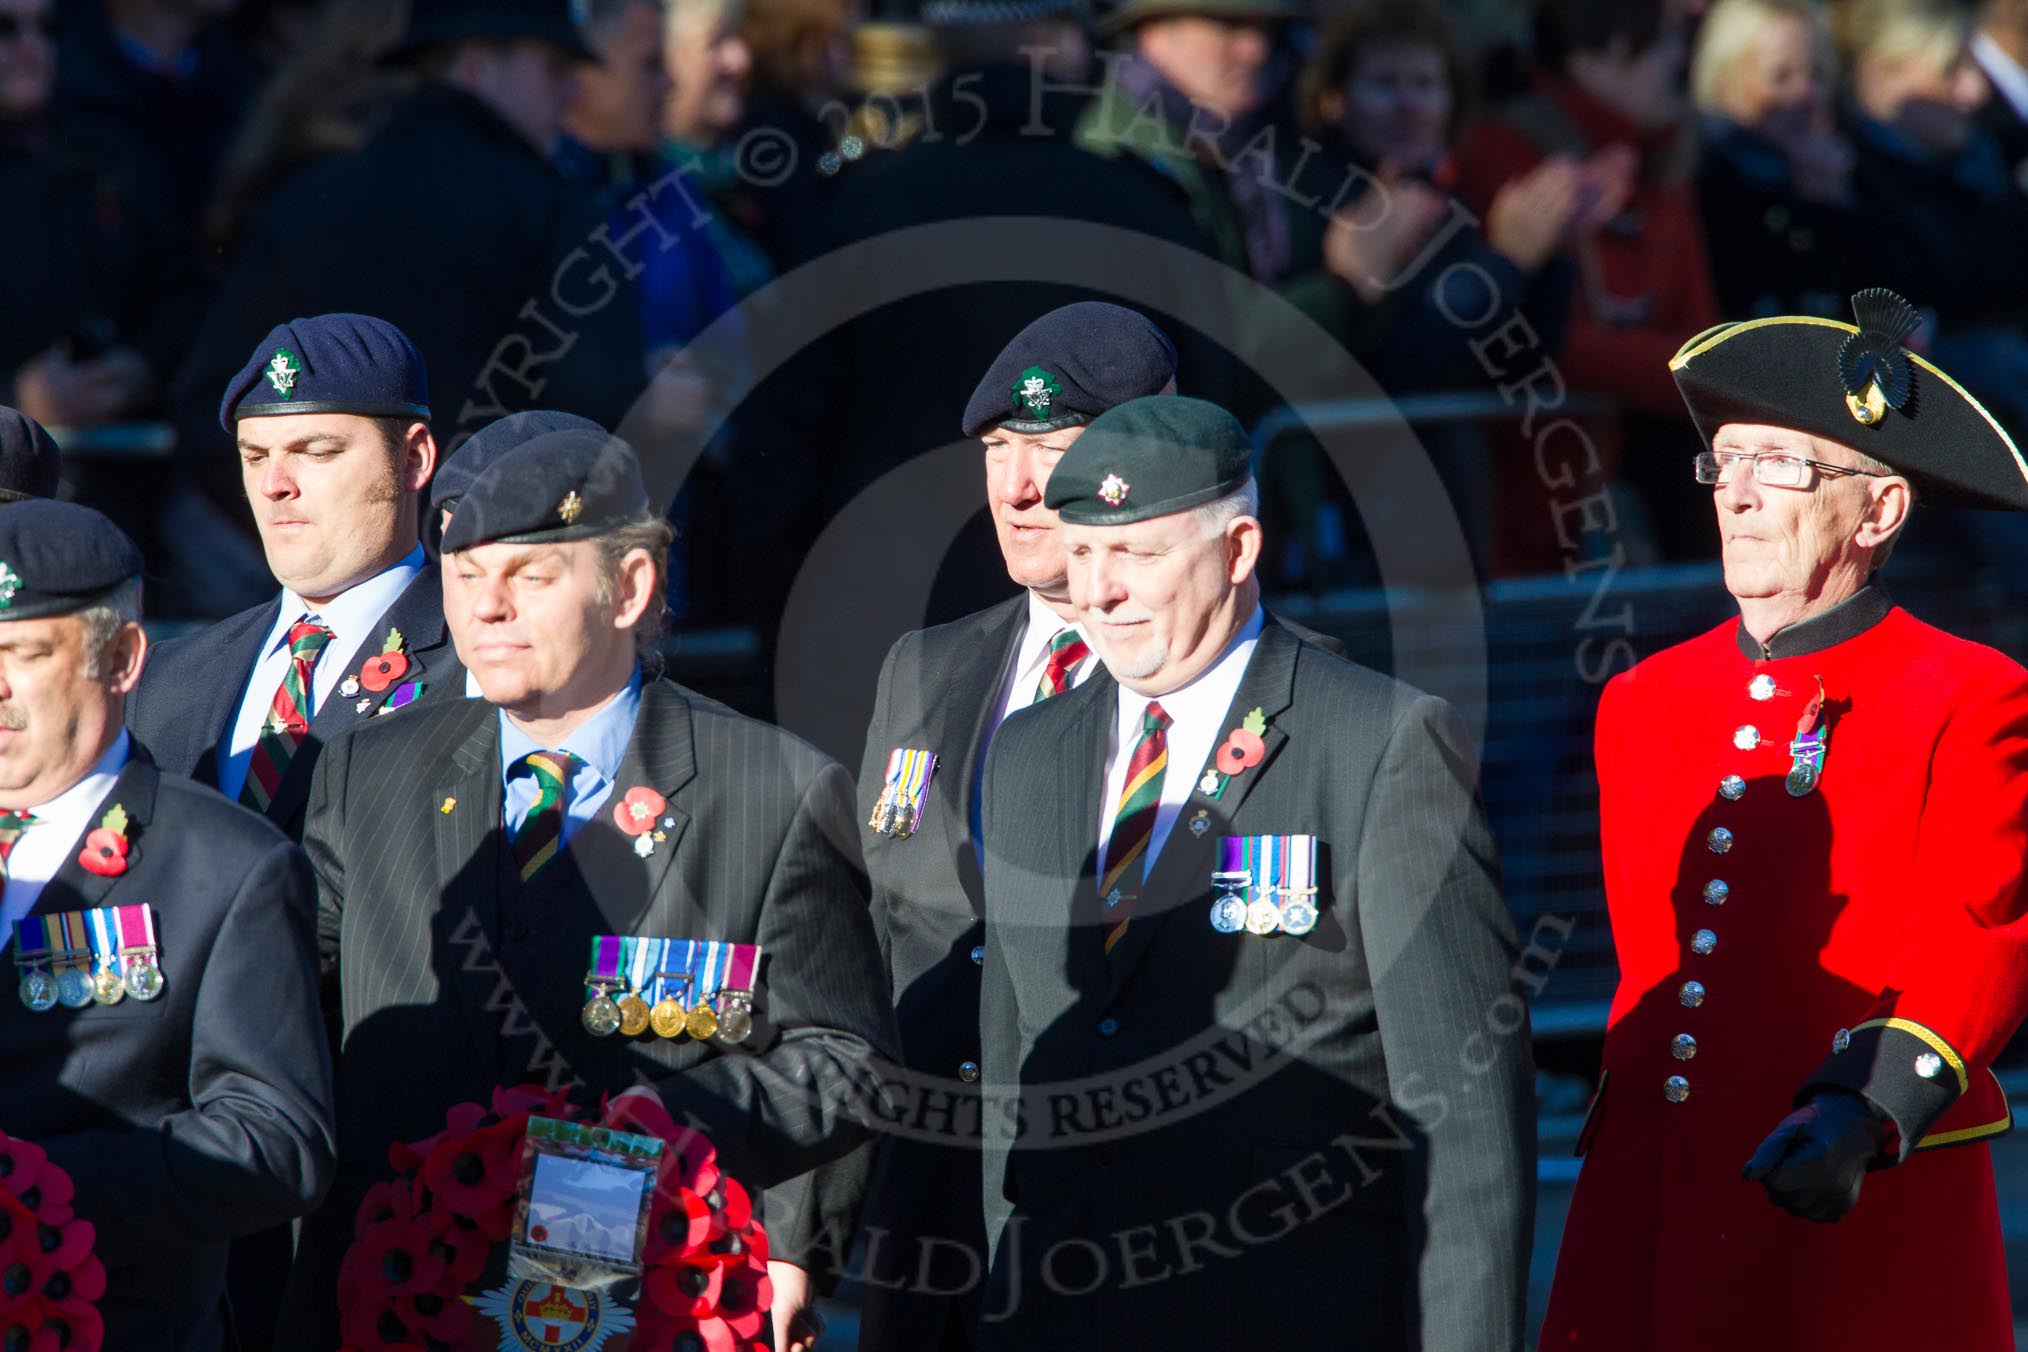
[(1746, 737), (978, 955), (1715, 892), (1107, 1027), (1702, 942), (1683, 1047), (1761, 687), (1675, 1089), (1719, 841), (1732, 788), (968, 1071), (1692, 994)]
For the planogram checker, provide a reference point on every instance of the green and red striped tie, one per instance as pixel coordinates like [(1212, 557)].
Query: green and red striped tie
[(1133, 825), (288, 719), (540, 835), (12, 825), (1066, 650)]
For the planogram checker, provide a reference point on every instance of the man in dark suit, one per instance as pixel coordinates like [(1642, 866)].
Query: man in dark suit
[(185, 1086), (945, 690), (1313, 1108), (332, 419), (467, 855)]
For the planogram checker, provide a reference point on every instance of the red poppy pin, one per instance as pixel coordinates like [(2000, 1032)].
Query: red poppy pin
[(387, 667), (637, 814), (105, 849)]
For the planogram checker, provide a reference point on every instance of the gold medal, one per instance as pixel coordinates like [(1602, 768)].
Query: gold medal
[(666, 1018), (633, 1014), (702, 1022), (107, 988)]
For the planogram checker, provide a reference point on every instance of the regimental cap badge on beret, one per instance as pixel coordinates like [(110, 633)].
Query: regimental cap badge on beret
[(10, 582), (1113, 490), (570, 508), (1875, 369), (1034, 393), (283, 368)]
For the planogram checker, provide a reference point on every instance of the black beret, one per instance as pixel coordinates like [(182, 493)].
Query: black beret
[(1859, 387), (30, 463), (330, 364), (551, 488), (56, 557), (1070, 366), (492, 441), (1150, 457), (433, 23)]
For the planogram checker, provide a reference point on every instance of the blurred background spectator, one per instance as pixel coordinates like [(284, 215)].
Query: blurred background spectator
[(2001, 49)]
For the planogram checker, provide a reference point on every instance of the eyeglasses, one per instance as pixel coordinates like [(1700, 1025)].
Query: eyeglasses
[(14, 27), (1772, 469)]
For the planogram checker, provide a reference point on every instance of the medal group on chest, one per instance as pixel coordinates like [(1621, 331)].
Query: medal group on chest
[(670, 987)]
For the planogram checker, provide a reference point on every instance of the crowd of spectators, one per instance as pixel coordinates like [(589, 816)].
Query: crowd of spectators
[(613, 220)]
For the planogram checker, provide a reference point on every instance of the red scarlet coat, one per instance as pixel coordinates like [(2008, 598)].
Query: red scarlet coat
[(1887, 903)]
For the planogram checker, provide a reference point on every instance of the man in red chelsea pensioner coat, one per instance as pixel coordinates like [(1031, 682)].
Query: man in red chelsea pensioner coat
[(1814, 823)]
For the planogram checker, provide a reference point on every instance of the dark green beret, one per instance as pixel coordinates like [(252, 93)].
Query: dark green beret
[(550, 489), (1856, 385), (1150, 457), (57, 557)]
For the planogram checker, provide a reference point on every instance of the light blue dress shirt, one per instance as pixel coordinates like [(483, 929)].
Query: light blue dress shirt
[(600, 744)]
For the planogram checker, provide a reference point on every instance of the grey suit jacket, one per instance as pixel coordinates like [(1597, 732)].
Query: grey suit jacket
[(191, 689), (405, 836), (205, 1114), (1236, 1140)]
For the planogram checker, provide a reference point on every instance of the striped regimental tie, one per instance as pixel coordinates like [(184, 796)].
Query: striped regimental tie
[(1133, 823), (1066, 650), (540, 835), (12, 824), (288, 719)]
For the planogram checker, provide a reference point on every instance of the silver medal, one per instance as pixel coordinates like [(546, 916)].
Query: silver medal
[(1228, 915)]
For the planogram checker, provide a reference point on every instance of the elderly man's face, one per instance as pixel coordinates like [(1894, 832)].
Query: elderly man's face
[(1017, 473), (1160, 598), (1786, 541), (60, 703), (540, 627)]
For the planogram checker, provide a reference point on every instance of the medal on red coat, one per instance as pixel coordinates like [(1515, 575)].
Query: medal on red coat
[(1807, 751)]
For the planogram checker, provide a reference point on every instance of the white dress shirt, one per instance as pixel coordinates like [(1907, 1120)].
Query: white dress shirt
[(59, 825), (2009, 80), (352, 617), (1196, 727), (1018, 685)]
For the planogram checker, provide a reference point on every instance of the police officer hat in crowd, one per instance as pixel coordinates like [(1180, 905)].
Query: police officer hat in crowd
[(30, 464), (551, 488), (1070, 366), (1858, 386), (59, 557), (337, 363), (438, 23), (1147, 458)]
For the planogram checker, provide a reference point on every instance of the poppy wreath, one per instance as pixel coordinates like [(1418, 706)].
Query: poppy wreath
[(50, 1280), (423, 1240)]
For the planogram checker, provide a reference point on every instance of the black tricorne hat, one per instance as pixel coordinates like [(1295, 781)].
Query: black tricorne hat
[(1856, 385)]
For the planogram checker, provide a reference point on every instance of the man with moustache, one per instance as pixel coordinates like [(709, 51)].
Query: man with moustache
[(1814, 820), (945, 691), (332, 419), (1252, 1032), (178, 1070), (468, 854)]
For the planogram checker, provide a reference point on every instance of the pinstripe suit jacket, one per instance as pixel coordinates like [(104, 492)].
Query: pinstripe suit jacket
[(192, 687), (405, 837), (1236, 1140)]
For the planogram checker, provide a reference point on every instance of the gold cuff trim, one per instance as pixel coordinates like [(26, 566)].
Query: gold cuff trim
[(1936, 1044), (1963, 1134)]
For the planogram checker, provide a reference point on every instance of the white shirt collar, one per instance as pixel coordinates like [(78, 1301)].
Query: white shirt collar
[(84, 795), (2007, 74), (349, 614), (1207, 695)]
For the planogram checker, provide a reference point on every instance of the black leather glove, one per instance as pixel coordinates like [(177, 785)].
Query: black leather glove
[(1813, 1162)]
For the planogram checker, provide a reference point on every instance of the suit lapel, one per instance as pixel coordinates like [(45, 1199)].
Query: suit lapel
[(234, 645), (1183, 868), (73, 887), (967, 718), (619, 884), (419, 614), (1080, 796), (469, 840)]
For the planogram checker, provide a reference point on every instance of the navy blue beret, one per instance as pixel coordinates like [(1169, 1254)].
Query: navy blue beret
[(56, 557), (330, 364), (551, 488), (1148, 458), (1068, 367), (30, 464), (492, 441)]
